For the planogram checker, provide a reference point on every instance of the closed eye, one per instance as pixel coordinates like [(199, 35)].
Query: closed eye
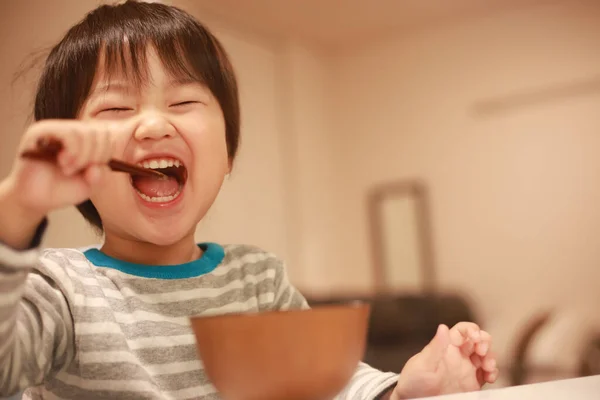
[(115, 109), (184, 103)]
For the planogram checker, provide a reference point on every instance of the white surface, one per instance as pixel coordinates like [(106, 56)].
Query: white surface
[(571, 389)]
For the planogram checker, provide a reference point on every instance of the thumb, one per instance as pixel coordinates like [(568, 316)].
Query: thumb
[(434, 352)]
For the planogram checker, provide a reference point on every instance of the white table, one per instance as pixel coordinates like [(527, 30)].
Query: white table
[(569, 389)]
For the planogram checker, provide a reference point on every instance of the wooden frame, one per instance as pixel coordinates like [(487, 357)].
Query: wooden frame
[(417, 193)]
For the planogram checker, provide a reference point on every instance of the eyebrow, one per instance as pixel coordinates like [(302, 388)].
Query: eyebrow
[(117, 86)]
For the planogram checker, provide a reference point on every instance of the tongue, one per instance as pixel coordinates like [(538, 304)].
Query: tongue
[(153, 187)]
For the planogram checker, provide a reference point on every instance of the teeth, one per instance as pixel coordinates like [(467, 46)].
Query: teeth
[(164, 199), (160, 163)]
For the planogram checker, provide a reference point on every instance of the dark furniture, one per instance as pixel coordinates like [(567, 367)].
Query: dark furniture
[(400, 326)]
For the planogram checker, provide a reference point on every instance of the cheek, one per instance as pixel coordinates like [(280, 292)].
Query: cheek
[(113, 189), (209, 147), (211, 153)]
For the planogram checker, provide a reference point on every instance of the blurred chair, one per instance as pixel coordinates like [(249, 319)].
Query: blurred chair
[(555, 345), (590, 359)]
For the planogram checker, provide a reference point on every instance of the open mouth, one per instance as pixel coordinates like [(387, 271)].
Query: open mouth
[(161, 190)]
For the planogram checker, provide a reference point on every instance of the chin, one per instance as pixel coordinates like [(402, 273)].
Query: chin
[(164, 237)]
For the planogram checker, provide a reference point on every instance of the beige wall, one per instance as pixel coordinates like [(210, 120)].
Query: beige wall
[(515, 195), (311, 159)]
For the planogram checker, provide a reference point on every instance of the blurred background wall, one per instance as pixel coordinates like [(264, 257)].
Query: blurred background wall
[(493, 105)]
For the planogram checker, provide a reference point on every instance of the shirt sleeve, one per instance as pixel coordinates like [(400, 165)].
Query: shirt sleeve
[(36, 327), (367, 383)]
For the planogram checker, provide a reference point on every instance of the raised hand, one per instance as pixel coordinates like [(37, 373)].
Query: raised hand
[(456, 360), (34, 188)]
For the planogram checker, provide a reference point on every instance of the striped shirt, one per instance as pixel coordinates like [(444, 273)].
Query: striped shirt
[(84, 325)]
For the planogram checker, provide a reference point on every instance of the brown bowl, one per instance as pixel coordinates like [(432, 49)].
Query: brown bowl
[(291, 355)]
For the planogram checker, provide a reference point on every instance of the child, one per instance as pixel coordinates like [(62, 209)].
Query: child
[(147, 83)]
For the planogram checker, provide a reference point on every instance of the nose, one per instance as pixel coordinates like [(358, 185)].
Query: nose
[(154, 126)]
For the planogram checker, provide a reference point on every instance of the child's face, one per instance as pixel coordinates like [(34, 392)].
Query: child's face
[(172, 123)]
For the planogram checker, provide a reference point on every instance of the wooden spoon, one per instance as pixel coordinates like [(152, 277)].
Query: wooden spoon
[(48, 149)]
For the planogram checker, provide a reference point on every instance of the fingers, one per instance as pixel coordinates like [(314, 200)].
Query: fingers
[(488, 363), (84, 143), (475, 360), (74, 150), (470, 338), (87, 147), (476, 344), (105, 146), (52, 127), (67, 158), (491, 377), (485, 344), (464, 331), (480, 375), (467, 337), (487, 368), (90, 146)]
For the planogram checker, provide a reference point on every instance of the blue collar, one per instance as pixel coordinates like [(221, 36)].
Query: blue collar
[(213, 255)]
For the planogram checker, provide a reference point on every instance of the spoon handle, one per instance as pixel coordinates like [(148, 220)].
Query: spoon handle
[(48, 149)]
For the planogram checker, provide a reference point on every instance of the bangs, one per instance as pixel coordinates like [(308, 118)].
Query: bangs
[(129, 60), (187, 54)]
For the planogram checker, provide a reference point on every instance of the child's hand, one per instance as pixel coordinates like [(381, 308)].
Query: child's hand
[(456, 360), (34, 188), (41, 186)]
